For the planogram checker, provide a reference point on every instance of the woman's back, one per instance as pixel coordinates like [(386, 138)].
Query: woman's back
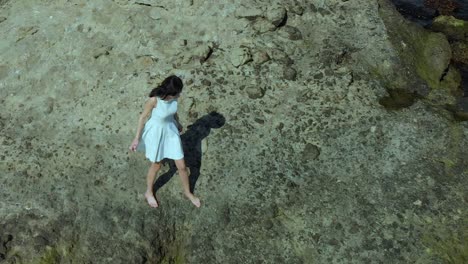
[(164, 110)]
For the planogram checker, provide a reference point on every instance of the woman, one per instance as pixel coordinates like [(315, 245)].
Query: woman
[(159, 137)]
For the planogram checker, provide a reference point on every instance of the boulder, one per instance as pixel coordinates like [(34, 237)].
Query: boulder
[(422, 57), (453, 28)]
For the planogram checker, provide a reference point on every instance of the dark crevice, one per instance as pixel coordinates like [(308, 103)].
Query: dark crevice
[(398, 99), (146, 4), (143, 4), (415, 11), (442, 77), (341, 57), (101, 54), (3, 2), (104, 51), (459, 114), (351, 81), (5, 247), (284, 21), (464, 83), (207, 56)]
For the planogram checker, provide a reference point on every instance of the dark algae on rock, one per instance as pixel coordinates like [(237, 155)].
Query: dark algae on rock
[(314, 132), (447, 18)]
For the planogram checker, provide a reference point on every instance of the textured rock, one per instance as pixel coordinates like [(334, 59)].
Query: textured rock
[(4, 71), (310, 168), (198, 54), (280, 56), (460, 52), (295, 7), (450, 90), (435, 58)]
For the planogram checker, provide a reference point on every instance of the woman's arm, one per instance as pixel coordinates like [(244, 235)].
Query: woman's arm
[(149, 105), (179, 126)]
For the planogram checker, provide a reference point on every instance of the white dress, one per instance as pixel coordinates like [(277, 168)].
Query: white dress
[(160, 137)]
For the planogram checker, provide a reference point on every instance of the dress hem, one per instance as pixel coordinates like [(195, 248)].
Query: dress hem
[(164, 158)]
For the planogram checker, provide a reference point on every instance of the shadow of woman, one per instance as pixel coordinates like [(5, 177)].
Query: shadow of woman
[(191, 143)]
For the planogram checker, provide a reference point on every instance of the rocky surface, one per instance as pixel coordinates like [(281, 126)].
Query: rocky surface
[(312, 136)]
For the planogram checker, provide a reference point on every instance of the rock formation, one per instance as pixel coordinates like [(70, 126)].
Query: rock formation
[(315, 132)]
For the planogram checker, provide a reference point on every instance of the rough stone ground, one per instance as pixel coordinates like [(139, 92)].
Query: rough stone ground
[(295, 159)]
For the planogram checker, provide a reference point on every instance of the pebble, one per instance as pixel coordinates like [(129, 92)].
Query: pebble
[(240, 56), (255, 92), (248, 13), (291, 33), (276, 15), (262, 26), (311, 152), (206, 82), (260, 57), (155, 13), (290, 74)]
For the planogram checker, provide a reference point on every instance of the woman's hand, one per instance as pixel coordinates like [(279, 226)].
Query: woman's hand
[(134, 145)]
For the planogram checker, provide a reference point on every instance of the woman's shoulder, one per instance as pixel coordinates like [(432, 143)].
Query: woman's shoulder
[(152, 100)]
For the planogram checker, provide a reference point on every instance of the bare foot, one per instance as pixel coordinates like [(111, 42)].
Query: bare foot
[(151, 200), (195, 200)]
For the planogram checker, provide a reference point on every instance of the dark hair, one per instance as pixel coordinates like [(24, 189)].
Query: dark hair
[(172, 85)]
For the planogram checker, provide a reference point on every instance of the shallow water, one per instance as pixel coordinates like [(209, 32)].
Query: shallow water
[(417, 12)]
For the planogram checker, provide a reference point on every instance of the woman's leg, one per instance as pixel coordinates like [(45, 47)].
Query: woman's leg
[(183, 173), (149, 195)]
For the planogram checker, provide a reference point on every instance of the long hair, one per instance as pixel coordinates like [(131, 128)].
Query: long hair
[(172, 85)]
